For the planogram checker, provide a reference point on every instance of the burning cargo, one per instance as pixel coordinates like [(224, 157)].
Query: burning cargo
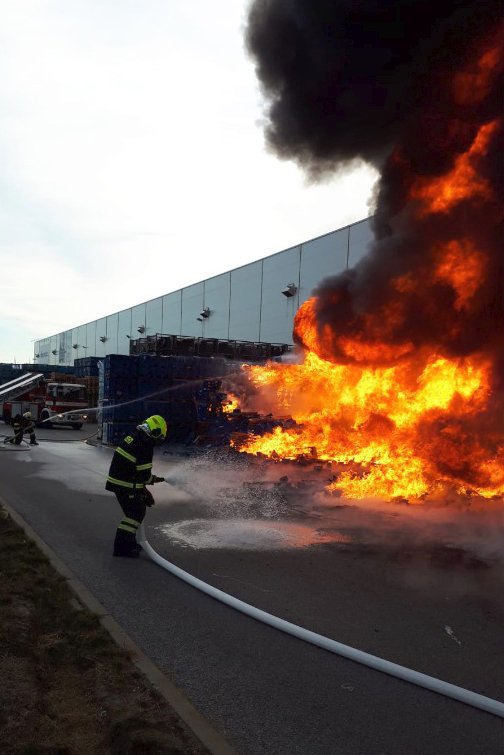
[(403, 362), (186, 390)]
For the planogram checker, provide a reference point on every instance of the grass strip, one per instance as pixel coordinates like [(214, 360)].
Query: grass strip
[(67, 688)]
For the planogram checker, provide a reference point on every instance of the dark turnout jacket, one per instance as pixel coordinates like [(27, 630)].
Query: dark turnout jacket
[(131, 466), (28, 426)]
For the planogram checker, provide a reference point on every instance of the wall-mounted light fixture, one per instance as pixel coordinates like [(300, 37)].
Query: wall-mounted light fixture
[(141, 328), (37, 356), (290, 290), (103, 339), (204, 314), (75, 346), (54, 351), (127, 336)]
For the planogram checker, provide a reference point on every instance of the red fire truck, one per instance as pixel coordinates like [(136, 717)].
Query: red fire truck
[(50, 402)]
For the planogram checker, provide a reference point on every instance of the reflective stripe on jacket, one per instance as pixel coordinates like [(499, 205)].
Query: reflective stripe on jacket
[(131, 466)]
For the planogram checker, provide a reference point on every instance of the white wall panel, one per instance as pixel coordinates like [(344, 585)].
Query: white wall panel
[(111, 335), (320, 259), (43, 349), (77, 348), (79, 336), (138, 321), (216, 298), (77, 351), (277, 310), (123, 331), (54, 358), (58, 348), (192, 305), (82, 336), (245, 302), (101, 349), (154, 316), (65, 348), (91, 338), (361, 236), (172, 314), (60, 353)]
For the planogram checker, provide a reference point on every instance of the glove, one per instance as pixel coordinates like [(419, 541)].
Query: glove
[(148, 498), (156, 479)]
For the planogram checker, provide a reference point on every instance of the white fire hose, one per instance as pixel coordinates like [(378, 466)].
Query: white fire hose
[(495, 707)]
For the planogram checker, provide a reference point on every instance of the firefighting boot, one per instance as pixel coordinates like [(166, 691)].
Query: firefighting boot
[(133, 553), (124, 545)]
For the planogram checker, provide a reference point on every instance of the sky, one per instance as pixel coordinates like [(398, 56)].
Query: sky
[(134, 162)]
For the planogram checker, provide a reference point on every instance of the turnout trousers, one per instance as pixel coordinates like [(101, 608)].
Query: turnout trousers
[(133, 506), (18, 436)]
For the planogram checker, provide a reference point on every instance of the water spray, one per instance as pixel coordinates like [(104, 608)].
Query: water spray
[(163, 391)]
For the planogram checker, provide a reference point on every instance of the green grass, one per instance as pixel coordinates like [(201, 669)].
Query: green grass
[(67, 688)]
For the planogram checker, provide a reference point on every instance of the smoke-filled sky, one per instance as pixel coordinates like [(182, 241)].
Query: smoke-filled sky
[(417, 89), (133, 160), (348, 80)]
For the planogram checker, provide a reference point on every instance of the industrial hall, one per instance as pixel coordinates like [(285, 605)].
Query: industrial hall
[(254, 303)]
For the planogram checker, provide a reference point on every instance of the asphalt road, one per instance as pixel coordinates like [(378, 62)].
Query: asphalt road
[(421, 589)]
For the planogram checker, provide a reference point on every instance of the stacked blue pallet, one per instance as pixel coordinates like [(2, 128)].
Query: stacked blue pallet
[(128, 410), (214, 367), (155, 379), (150, 365), (86, 367), (120, 377), (155, 372), (120, 364), (137, 386), (121, 407), (157, 407), (185, 367)]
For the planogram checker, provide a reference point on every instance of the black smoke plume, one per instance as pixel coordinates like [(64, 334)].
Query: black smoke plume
[(352, 80)]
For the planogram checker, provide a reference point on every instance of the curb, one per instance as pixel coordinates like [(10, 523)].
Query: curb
[(193, 719)]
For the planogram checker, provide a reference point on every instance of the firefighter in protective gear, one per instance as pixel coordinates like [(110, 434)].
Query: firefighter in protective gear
[(23, 424), (130, 471), (29, 428)]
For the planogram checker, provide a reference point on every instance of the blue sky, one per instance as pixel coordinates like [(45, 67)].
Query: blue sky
[(133, 160)]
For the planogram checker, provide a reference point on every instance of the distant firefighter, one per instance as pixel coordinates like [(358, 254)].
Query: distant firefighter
[(23, 424), (29, 428), (129, 473)]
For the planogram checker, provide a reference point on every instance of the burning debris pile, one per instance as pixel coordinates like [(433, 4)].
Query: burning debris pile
[(403, 370), (220, 418)]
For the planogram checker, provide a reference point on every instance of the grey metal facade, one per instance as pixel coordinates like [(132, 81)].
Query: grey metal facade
[(245, 304)]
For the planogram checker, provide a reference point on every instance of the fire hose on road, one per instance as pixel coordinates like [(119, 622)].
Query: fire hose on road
[(495, 707)]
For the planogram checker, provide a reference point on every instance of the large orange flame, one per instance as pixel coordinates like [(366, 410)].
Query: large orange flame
[(440, 195), (375, 418), (396, 418)]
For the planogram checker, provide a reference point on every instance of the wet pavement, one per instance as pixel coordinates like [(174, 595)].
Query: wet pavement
[(421, 587)]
